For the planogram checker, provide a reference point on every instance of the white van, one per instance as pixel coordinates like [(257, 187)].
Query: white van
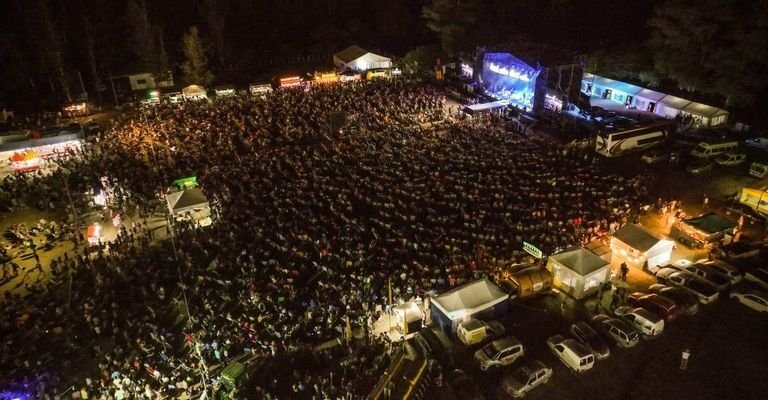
[(711, 150), (573, 354), (474, 331), (758, 170), (647, 323)]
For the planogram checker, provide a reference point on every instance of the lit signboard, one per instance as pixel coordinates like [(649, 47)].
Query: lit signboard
[(532, 250)]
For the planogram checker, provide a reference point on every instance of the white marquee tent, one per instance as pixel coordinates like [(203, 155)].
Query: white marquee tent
[(189, 204), (578, 272), (194, 92), (359, 59), (480, 299), (640, 248)]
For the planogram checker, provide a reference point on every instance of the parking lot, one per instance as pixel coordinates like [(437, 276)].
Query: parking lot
[(726, 339)]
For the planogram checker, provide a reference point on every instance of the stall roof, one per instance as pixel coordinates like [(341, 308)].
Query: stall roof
[(675, 102), (410, 311), (469, 298), (190, 198), (579, 260), (351, 53), (637, 237), (704, 110), (620, 86), (710, 223), (650, 94)]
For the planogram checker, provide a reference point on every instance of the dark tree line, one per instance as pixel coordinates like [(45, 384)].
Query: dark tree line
[(716, 47)]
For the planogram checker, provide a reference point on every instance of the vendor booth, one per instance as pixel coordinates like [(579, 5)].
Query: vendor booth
[(93, 234), (190, 204), (402, 322), (290, 82), (640, 248), (194, 92), (578, 272), (26, 161), (260, 89), (225, 90), (707, 228), (480, 299)]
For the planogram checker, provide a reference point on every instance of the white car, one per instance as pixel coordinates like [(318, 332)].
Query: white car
[(526, 378), (678, 265), (573, 354), (647, 323), (731, 159), (754, 299), (499, 353)]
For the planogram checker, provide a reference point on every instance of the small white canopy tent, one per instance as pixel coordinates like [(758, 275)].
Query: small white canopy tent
[(194, 92), (357, 58), (189, 204), (578, 272), (480, 299), (640, 248)]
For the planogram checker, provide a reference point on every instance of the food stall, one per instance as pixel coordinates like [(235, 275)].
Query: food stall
[(290, 82), (26, 161), (93, 234)]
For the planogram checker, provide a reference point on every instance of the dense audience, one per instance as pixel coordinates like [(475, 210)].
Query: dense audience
[(310, 225)]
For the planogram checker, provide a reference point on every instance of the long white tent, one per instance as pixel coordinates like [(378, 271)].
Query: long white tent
[(661, 104)]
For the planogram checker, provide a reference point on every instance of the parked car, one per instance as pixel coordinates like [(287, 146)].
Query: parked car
[(699, 167), (679, 265), (463, 386), (662, 306), (588, 337), (500, 352), (526, 378), (758, 142), (731, 159), (655, 156), (573, 354), (619, 122), (705, 272), (687, 303), (647, 323), (723, 268), (758, 276), (619, 331), (704, 291), (754, 299)]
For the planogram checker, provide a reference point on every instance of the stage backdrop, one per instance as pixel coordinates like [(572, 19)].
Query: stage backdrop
[(509, 78)]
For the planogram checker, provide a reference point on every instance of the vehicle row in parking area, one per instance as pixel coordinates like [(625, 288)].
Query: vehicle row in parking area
[(682, 289)]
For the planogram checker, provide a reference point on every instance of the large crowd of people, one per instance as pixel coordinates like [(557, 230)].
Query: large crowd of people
[(310, 225)]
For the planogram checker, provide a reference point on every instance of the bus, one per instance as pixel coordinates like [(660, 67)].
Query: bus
[(618, 143)]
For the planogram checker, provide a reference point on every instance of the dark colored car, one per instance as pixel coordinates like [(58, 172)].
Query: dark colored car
[(463, 386), (662, 306), (687, 303), (588, 337)]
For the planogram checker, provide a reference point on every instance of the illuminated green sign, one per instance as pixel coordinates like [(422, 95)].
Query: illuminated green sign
[(185, 183), (532, 250)]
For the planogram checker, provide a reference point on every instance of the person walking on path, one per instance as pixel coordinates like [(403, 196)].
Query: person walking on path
[(684, 359), (624, 271)]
